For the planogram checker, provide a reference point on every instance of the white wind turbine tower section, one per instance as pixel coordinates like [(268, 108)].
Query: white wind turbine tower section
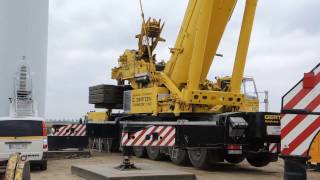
[(23, 35)]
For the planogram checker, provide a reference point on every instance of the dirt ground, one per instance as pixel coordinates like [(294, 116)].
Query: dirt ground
[(60, 169)]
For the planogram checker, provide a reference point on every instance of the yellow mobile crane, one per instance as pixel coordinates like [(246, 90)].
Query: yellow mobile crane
[(172, 108)]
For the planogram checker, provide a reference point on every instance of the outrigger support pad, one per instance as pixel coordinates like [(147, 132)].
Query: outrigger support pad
[(126, 163), (295, 167)]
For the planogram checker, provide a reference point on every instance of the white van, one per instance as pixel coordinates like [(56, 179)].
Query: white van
[(27, 136)]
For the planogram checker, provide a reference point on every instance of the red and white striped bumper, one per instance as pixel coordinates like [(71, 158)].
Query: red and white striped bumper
[(71, 130), (150, 136)]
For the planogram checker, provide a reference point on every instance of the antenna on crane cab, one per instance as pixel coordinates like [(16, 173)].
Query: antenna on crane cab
[(141, 9)]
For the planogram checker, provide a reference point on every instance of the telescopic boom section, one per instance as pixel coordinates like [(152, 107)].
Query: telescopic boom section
[(198, 40), (243, 45), (204, 24)]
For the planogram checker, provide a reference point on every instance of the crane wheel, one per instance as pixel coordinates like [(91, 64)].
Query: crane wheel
[(179, 156), (234, 158), (139, 151), (259, 159), (200, 158), (154, 153)]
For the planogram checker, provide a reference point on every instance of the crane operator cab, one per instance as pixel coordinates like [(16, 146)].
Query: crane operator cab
[(251, 97)]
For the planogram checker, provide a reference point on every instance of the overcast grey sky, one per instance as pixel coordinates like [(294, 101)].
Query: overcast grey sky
[(86, 38)]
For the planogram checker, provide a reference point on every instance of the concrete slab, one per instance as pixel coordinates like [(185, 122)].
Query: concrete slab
[(144, 172)]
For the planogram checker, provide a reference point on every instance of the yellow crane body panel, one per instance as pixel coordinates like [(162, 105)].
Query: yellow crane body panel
[(146, 100), (97, 116), (314, 151)]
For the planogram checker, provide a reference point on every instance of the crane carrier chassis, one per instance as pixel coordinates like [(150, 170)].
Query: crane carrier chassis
[(199, 139), (171, 108)]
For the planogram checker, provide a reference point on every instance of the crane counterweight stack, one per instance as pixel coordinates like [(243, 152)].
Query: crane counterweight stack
[(173, 108)]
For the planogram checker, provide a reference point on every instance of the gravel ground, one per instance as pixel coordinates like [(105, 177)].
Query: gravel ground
[(60, 169)]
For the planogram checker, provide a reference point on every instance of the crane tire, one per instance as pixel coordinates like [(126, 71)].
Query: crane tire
[(200, 158), (139, 151), (179, 157), (154, 153), (259, 159), (234, 158)]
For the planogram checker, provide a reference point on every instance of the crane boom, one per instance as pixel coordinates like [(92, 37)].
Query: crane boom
[(198, 40), (243, 45)]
